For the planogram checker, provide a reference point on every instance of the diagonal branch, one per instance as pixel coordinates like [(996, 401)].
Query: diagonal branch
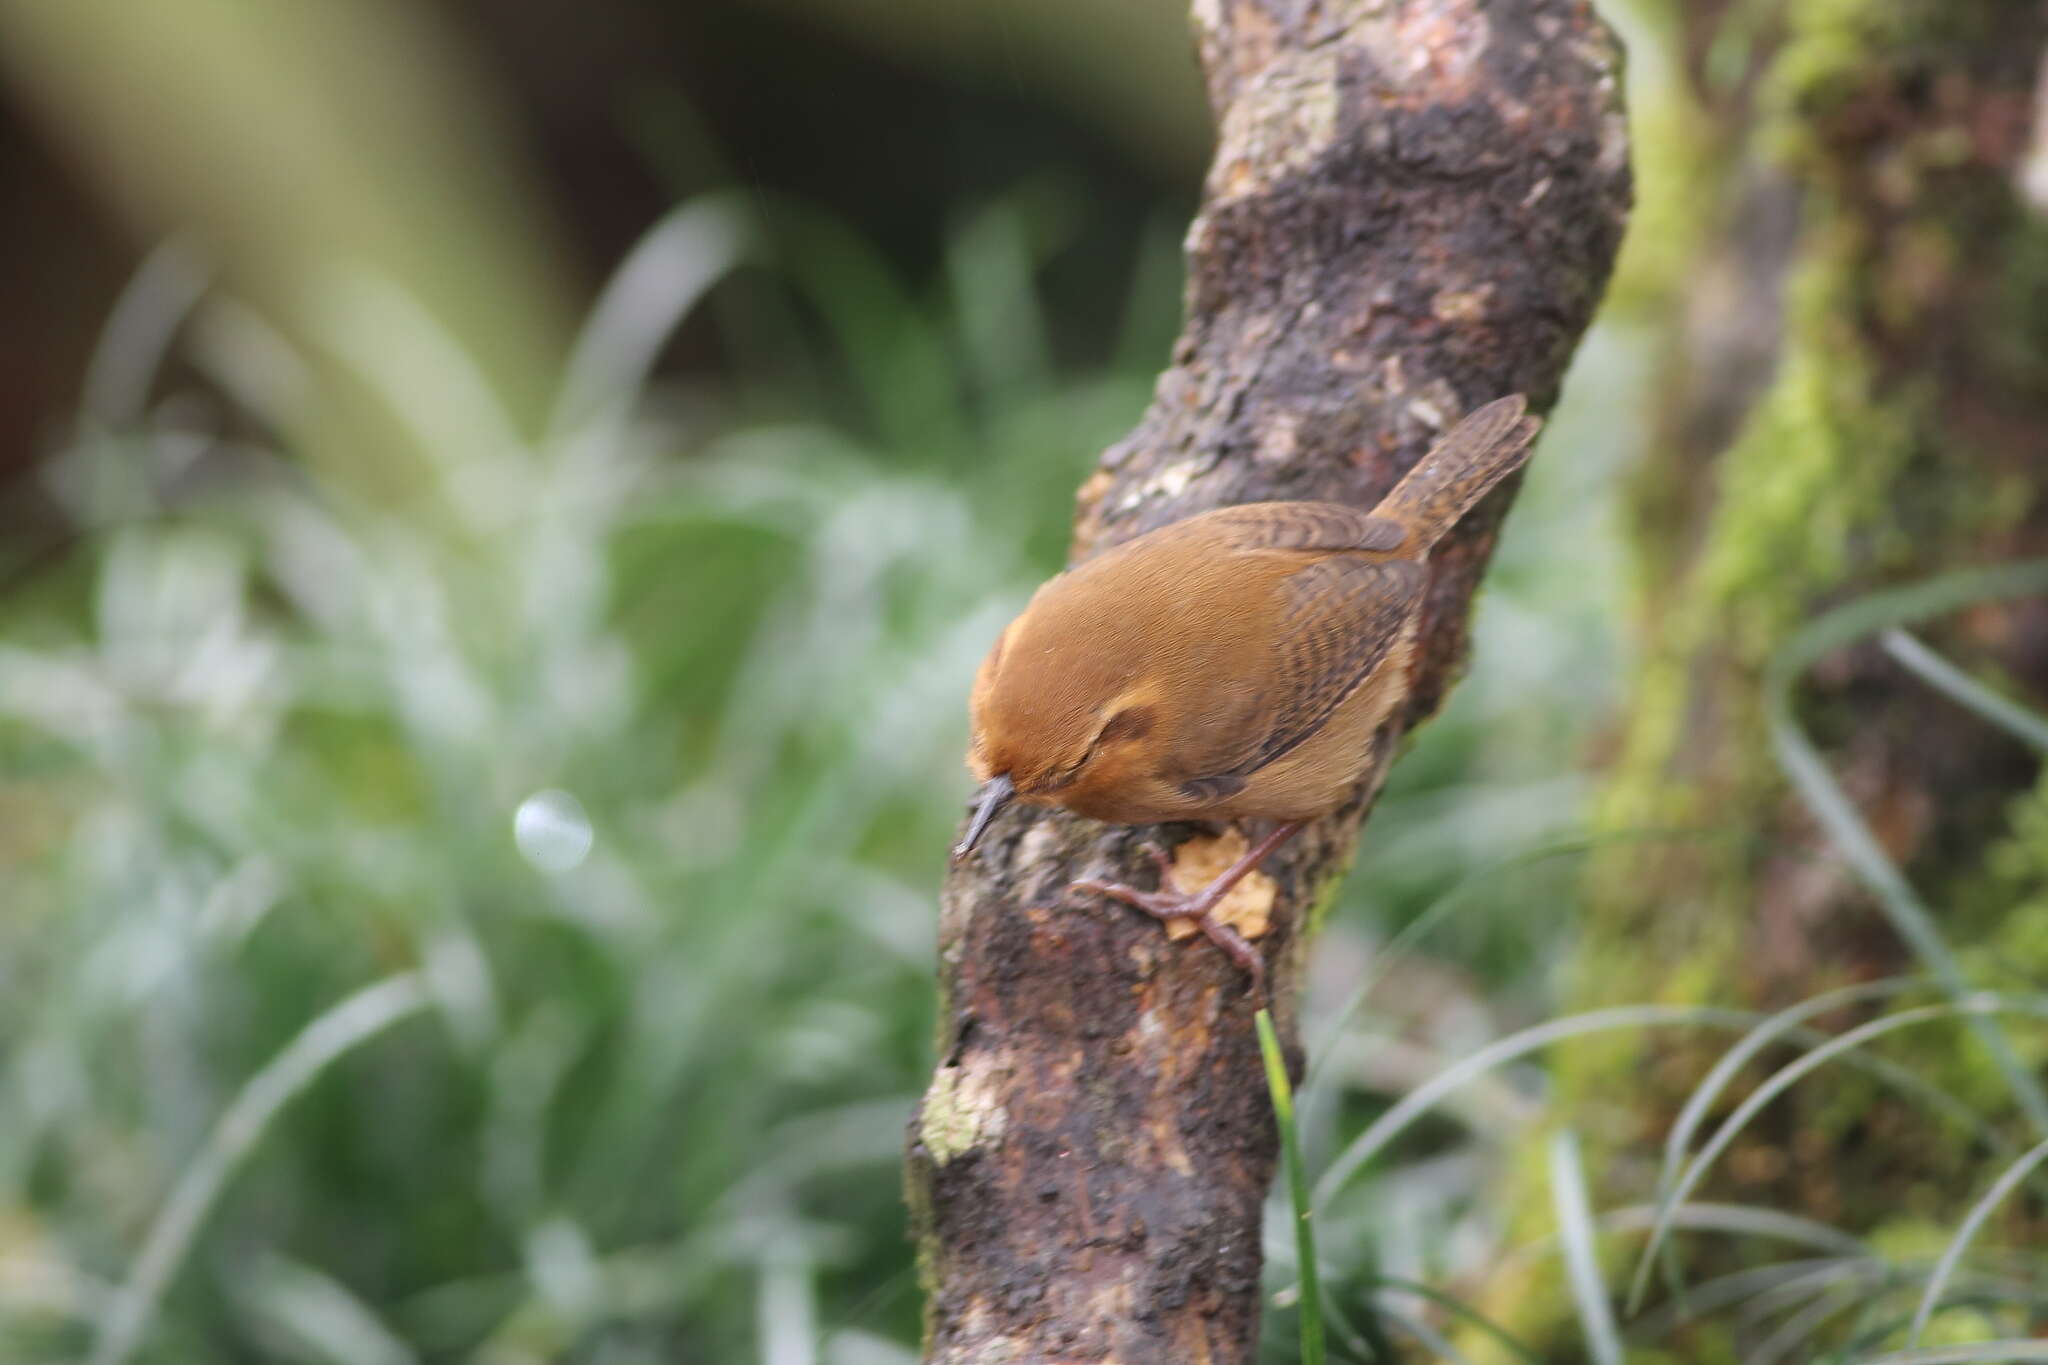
[(1413, 209)]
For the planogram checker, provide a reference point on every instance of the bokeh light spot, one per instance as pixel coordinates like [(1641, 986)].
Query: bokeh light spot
[(553, 831)]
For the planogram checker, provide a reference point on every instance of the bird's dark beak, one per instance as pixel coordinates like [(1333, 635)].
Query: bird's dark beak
[(993, 796)]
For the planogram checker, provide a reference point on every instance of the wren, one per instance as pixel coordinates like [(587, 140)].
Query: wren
[(1232, 666)]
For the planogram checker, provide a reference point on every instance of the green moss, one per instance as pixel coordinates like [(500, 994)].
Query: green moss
[(1803, 503), (1328, 890), (1806, 482), (917, 1200), (1674, 149), (1835, 50), (2016, 337), (2016, 868), (1920, 1242), (2004, 904), (1965, 1325)]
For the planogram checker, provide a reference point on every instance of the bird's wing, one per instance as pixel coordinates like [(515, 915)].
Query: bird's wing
[(1341, 617), (1308, 526)]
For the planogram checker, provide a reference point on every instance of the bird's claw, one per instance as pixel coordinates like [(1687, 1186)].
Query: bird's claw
[(1170, 903), (1164, 862)]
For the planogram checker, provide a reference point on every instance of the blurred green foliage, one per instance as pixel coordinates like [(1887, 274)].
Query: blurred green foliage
[(471, 797)]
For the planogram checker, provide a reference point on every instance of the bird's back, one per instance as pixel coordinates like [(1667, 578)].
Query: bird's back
[(1241, 630)]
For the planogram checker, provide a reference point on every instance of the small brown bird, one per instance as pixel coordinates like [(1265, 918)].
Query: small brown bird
[(1231, 666)]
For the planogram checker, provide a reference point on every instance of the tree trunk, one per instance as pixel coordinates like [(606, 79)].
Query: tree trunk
[(1413, 208), (1857, 396)]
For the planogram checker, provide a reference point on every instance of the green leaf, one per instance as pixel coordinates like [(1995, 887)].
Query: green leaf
[(1952, 1255), (1297, 1190)]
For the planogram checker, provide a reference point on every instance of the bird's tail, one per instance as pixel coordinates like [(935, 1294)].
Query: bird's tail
[(1478, 453)]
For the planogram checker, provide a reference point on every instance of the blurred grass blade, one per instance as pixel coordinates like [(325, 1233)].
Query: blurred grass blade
[(1901, 606), (1952, 1254), (430, 381), (1746, 1288), (851, 1337), (1731, 1062), (1748, 1046), (851, 1347), (319, 1312), (1001, 320), (643, 303), (1581, 1252), (346, 1026), (1416, 1102), (1802, 1325), (1297, 1191), (1784, 1079), (132, 346), (255, 365), (1369, 1340), (1451, 1303), (112, 472), (1744, 1221), (1855, 1274), (563, 1268), (1431, 1340), (1153, 302), (787, 1312), (907, 374), (2027, 724), (1981, 1353), (1836, 814)]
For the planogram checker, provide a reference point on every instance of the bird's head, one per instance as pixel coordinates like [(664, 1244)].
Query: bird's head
[(1058, 719)]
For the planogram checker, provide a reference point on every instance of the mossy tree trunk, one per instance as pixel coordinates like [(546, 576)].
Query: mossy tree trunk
[(1413, 209), (1855, 395)]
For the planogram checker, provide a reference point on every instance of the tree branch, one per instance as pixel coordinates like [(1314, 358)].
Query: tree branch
[(1413, 208)]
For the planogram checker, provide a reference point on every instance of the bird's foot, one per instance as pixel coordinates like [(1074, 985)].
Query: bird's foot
[(1169, 902)]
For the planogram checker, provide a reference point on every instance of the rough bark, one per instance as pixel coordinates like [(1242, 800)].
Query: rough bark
[(1413, 209), (1856, 396)]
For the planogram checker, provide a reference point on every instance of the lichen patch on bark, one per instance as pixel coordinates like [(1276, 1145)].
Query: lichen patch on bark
[(962, 1110), (1280, 125)]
